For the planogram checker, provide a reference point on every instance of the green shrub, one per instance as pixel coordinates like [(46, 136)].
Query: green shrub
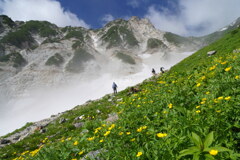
[(56, 60), (77, 44), (2, 49), (15, 58), (51, 40), (44, 28), (78, 34), (155, 43), (76, 64), (118, 35), (7, 20), (20, 38), (125, 58)]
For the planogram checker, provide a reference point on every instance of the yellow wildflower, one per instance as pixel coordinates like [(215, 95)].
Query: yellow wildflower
[(111, 127), (161, 135), (101, 141), (138, 105), (144, 127), (198, 85), (139, 154), (224, 62), (218, 111), (24, 153), (203, 102), (70, 138), (139, 129), (75, 143), (80, 153), (161, 82), (212, 68), (215, 101), (203, 77), (170, 105), (227, 69), (227, 98), (107, 133), (198, 111), (213, 152), (236, 77), (220, 98), (120, 133), (207, 92), (128, 133), (103, 125), (204, 99), (90, 138), (62, 140), (74, 159), (132, 140), (164, 112), (197, 107)]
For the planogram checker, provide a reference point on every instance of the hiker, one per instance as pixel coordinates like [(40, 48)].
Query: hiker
[(161, 69), (133, 90), (114, 86), (153, 71)]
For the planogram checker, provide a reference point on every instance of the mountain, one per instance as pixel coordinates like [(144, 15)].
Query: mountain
[(36, 53), (189, 112)]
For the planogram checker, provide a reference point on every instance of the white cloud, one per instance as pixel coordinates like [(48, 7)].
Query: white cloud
[(134, 3), (107, 18), (195, 17), (49, 10)]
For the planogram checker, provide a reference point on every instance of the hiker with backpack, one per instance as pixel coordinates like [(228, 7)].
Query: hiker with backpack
[(114, 86)]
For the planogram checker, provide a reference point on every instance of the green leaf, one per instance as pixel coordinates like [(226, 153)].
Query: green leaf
[(188, 151), (209, 157), (196, 156), (196, 139), (220, 149), (209, 139)]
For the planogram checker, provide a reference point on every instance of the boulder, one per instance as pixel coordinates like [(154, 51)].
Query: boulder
[(236, 50), (93, 155), (62, 120), (5, 141), (78, 125), (16, 137), (211, 53), (112, 117)]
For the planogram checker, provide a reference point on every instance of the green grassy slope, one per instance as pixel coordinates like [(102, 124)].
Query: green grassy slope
[(190, 112)]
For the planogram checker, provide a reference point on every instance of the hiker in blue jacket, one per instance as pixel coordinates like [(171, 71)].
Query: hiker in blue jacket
[(161, 69), (114, 86)]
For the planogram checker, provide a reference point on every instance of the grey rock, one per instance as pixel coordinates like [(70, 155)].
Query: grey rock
[(44, 130), (5, 141), (79, 118), (112, 117), (93, 155), (236, 50), (16, 137), (120, 99), (78, 125), (62, 120), (211, 53)]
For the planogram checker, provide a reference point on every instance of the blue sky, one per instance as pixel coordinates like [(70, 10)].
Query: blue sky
[(183, 17), (93, 11)]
